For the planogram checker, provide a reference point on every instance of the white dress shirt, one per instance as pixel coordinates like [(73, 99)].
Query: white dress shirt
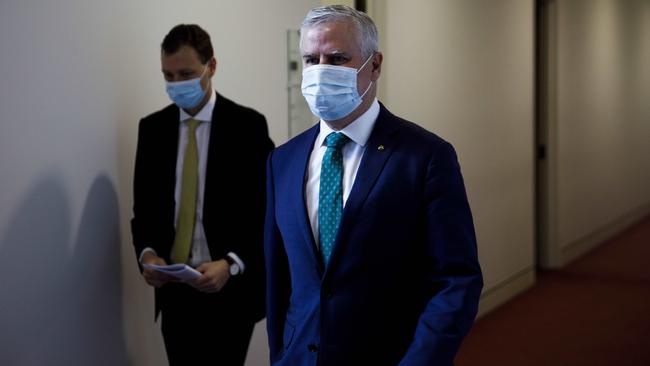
[(358, 131), (200, 252)]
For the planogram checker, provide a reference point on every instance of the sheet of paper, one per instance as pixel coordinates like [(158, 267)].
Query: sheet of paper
[(180, 271)]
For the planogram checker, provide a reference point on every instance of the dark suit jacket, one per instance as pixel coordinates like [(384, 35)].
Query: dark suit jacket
[(234, 197), (403, 282)]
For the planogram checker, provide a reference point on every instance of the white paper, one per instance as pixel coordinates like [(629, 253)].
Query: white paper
[(180, 271)]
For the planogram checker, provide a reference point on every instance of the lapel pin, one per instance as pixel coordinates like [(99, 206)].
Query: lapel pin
[(380, 148)]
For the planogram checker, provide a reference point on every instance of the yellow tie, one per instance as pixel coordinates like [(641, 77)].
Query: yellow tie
[(187, 210)]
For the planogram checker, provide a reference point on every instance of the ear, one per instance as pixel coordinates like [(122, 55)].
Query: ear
[(212, 66), (376, 65)]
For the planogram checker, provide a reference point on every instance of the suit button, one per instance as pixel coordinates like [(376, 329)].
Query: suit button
[(329, 295), (312, 348)]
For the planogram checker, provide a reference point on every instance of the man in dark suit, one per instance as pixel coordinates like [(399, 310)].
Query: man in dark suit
[(369, 242), (199, 199)]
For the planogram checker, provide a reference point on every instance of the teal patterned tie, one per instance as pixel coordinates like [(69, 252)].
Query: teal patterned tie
[(330, 197)]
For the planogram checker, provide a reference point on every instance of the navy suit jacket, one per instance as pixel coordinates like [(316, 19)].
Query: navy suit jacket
[(403, 282)]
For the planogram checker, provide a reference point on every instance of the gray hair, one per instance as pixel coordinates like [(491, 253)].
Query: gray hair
[(368, 39)]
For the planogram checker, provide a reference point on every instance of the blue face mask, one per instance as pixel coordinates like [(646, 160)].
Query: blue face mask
[(186, 94), (331, 91)]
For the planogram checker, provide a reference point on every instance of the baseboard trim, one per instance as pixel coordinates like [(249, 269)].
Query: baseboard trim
[(581, 246), (505, 290)]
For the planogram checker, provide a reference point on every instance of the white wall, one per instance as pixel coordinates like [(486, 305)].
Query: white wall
[(464, 70), (601, 124), (76, 77)]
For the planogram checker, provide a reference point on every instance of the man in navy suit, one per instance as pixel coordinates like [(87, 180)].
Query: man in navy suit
[(216, 150), (370, 249)]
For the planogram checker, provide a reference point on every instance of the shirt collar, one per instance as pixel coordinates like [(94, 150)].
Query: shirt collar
[(358, 131), (205, 114)]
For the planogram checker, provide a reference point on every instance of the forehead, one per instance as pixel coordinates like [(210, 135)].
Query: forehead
[(186, 56), (327, 37)]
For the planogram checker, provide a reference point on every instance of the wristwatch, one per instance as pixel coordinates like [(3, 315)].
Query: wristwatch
[(234, 267)]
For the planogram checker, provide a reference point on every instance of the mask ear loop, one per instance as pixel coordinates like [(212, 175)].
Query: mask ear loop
[(366, 92), (204, 70), (359, 70), (365, 63)]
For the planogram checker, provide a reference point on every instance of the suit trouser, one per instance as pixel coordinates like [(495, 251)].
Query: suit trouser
[(197, 331)]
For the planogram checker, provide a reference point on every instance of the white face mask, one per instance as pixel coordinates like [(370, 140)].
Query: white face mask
[(331, 91)]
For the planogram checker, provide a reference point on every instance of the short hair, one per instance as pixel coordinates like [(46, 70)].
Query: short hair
[(188, 35), (368, 38)]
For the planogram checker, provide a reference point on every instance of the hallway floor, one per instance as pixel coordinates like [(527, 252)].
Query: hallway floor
[(593, 312)]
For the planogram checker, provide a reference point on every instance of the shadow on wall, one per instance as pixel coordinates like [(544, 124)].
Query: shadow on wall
[(62, 304)]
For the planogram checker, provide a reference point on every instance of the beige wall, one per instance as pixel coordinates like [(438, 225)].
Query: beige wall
[(471, 81), (76, 77), (600, 125), (349, 3), (464, 70)]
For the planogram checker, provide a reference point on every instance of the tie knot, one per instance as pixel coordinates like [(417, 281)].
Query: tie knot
[(192, 124), (336, 140)]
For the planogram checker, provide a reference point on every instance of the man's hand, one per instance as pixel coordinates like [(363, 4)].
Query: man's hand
[(214, 276), (155, 278)]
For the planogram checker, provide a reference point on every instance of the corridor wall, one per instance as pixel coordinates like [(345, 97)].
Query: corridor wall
[(464, 70), (76, 77), (596, 123)]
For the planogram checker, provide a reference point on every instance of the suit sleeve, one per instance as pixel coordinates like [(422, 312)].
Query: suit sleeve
[(249, 249), (138, 224), (278, 282), (454, 274)]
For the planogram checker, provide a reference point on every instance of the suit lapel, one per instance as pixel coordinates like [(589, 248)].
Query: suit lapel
[(299, 175), (380, 146), (217, 143), (168, 140)]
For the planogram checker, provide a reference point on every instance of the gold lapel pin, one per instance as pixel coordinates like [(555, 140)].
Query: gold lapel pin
[(380, 148)]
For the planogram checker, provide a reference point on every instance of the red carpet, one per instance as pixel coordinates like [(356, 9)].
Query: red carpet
[(593, 312)]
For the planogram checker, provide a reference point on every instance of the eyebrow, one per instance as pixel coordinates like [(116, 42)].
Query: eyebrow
[(332, 53), (181, 70)]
